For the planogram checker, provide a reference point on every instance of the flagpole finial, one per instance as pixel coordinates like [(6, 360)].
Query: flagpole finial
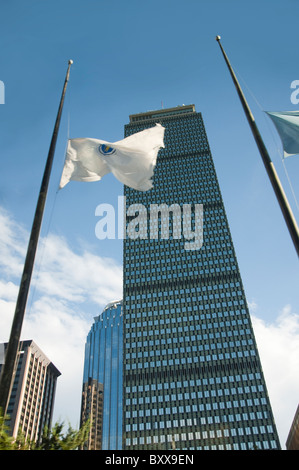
[(218, 38), (71, 62)]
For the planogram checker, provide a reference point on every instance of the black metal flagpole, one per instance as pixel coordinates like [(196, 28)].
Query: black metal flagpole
[(8, 367), (278, 189)]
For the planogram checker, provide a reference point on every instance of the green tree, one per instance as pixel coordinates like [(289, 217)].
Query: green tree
[(6, 441), (52, 439)]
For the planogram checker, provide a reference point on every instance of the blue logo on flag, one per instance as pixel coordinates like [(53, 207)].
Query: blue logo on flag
[(106, 150)]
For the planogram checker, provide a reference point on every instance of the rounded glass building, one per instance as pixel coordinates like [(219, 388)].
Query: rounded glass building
[(102, 379)]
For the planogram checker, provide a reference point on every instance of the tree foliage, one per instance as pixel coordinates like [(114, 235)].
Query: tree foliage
[(52, 439)]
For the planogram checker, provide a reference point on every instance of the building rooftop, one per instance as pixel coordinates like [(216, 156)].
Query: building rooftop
[(162, 113)]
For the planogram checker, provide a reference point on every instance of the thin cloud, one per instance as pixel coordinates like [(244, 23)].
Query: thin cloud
[(12, 246), (278, 345), (77, 277)]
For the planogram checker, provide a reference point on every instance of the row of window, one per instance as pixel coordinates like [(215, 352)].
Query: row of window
[(183, 304), (221, 287), (190, 360), (179, 275), (204, 381), (196, 393), (189, 267), (174, 315), (253, 416), (156, 258), (192, 194), (187, 349), (186, 258), (172, 440), (155, 337), (209, 434)]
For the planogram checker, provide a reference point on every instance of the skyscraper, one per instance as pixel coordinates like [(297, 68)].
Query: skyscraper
[(32, 396), (292, 442), (192, 374), (102, 380)]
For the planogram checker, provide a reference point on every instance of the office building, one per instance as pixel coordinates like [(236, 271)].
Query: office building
[(293, 436), (92, 410), (192, 374), (102, 380), (32, 396)]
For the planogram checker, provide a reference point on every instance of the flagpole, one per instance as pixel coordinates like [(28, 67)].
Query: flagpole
[(7, 372), (276, 184)]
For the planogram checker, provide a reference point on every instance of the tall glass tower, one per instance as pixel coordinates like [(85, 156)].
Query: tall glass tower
[(102, 380), (192, 375)]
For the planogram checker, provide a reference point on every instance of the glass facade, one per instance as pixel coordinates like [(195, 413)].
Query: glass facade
[(102, 378), (192, 376)]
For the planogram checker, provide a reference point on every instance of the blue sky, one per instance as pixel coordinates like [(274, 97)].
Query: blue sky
[(132, 57)]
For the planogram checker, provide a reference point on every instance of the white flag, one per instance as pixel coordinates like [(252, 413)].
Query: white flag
[(131, 160), (287, 125)]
